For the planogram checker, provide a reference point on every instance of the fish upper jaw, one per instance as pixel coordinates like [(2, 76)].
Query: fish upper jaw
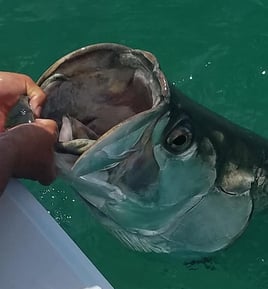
[(118, 142)]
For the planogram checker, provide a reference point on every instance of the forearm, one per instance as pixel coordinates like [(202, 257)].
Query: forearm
[(27, 151), (7, 159)]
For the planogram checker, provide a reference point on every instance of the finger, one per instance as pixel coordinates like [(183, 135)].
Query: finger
[(36, 95)]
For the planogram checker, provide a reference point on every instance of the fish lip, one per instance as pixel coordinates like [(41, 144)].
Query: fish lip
[(230, 192), (165, 91)]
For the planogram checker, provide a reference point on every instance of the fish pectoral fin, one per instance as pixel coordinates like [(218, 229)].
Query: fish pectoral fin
[(213, 223)]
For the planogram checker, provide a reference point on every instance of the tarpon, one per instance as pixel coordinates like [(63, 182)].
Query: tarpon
[(161, 172)]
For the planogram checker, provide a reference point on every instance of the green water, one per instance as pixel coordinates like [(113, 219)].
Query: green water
[(215, 51)]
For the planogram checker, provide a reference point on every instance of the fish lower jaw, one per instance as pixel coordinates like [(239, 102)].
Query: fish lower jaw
[(99, 194)]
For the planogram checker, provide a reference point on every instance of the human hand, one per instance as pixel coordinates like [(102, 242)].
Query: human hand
[(27, 151), (12, 86)]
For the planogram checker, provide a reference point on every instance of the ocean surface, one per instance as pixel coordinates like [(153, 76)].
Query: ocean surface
[(216, 52)]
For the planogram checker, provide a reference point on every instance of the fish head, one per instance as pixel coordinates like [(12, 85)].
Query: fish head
[(162, 189), (151, 175)]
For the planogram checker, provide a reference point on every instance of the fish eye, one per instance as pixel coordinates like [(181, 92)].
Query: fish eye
[(179, 139)]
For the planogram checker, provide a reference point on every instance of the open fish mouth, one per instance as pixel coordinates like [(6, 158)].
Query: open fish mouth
[(102, 85), (93, 91)]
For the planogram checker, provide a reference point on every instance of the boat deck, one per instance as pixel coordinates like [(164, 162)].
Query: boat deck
[(35, 252)]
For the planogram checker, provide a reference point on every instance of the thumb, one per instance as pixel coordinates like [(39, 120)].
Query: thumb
[(49, 125), (36, 95)]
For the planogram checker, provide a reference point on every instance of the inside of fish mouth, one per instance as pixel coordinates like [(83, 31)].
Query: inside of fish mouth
[(100, 97)]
